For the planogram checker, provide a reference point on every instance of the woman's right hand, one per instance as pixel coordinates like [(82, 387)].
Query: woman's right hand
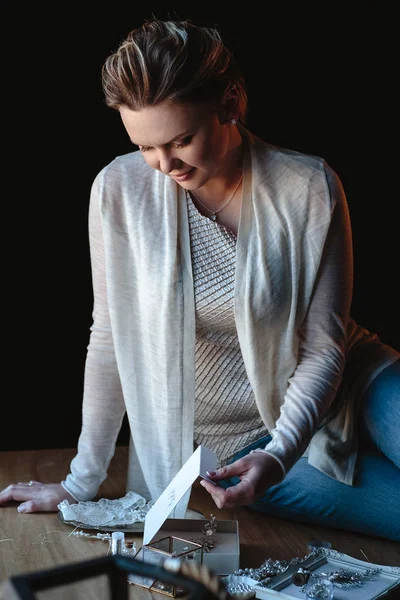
[(35, 496)]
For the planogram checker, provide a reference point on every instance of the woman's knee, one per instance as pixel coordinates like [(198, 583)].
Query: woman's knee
[(371, 507), (380, 413)]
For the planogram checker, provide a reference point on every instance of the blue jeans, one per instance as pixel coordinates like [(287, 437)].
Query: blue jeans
[(372, 505)]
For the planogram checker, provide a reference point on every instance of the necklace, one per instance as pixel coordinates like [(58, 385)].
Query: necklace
[(214, 213)]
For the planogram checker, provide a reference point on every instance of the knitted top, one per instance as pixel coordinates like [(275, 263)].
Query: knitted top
[(226, 415)]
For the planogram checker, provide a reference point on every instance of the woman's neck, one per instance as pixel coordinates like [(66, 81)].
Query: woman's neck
[(219, 187)]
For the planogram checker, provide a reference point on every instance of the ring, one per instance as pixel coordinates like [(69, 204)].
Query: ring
[(31, 482)]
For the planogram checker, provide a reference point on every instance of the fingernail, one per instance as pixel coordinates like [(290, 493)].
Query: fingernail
[(21, 509), (211, 473), (202, 482)]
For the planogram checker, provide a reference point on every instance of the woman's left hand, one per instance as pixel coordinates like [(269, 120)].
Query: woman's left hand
[(257, 472)]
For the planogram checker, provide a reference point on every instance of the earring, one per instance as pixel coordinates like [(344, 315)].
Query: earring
[(233, 121)]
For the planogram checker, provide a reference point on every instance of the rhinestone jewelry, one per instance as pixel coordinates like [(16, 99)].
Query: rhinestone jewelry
[(268, 569), (271, 567), (239, 587), (340, 578)]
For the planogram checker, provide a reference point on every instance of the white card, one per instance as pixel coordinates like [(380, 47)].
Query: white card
[(201, 461)]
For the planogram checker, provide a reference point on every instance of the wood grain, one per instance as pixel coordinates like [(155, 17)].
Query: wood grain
[(31, 542)]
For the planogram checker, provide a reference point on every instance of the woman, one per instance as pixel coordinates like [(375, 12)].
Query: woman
[(222, 279)]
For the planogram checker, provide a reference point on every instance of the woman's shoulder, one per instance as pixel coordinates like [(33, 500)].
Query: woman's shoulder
[(281, 157), (125, 170), (295, 174)]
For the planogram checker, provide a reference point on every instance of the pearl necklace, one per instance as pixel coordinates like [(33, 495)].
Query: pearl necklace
[(214, 213)]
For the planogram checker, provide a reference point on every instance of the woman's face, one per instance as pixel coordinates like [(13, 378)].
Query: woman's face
[(189, 143)]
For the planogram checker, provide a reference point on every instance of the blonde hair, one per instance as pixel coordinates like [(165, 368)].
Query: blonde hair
[(172, 61)]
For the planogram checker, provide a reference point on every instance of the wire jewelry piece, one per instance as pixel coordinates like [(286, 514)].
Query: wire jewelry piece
[(30, 482), (207, 538), (214, 213)]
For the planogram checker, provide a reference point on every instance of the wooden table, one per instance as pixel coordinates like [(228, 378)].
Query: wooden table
[(32, 542)]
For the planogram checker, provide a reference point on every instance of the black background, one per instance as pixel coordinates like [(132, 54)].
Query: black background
[(321, 79)]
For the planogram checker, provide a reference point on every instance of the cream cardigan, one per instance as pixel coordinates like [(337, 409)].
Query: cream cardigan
[(292, 300)]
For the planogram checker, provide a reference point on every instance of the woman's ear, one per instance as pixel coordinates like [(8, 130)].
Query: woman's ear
[(230, 107)]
